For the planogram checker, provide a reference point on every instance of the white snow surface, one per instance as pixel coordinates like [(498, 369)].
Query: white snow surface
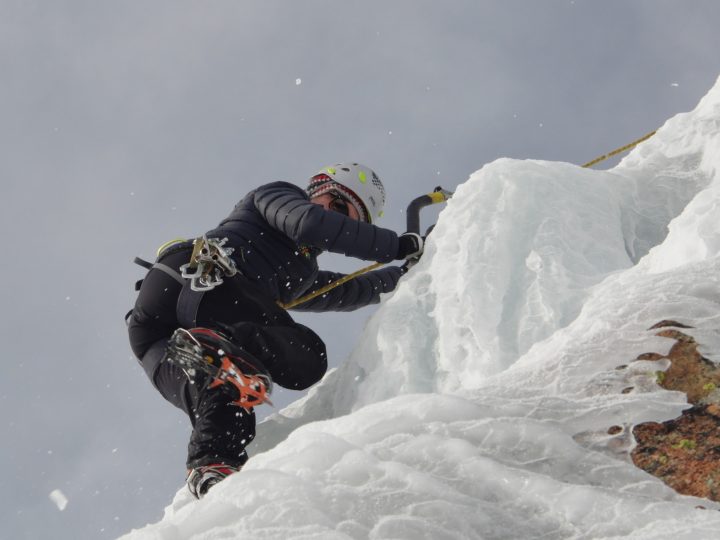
[(478, 400)]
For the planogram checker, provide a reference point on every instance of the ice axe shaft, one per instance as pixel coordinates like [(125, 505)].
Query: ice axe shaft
[(413, 210)]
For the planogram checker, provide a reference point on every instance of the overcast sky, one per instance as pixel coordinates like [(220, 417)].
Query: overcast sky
[(126, 123)]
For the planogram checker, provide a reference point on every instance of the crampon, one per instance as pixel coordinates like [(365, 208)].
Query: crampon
[(207, 351)]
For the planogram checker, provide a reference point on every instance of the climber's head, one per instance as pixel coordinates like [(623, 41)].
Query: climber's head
[(349, 186)]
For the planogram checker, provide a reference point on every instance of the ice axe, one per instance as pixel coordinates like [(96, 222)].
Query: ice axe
[(439, 195)]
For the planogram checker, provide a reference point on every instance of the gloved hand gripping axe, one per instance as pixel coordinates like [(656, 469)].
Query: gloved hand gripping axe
[(413, 220)]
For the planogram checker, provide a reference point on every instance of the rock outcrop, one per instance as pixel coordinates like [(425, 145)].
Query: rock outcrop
[(684, 452)]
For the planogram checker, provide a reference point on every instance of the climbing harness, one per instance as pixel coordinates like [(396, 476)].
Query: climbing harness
[(210, 262)]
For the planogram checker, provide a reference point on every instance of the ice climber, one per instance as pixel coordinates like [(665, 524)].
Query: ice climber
[(208, 325)]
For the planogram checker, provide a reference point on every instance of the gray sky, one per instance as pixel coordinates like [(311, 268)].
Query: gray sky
[(126, 123)]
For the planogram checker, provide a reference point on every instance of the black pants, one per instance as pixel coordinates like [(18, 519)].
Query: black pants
[(293, 354)]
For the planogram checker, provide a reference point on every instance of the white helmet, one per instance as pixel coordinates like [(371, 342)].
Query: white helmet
[(356, 182)]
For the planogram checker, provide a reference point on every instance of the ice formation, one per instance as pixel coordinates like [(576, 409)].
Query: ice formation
[(478, 400)]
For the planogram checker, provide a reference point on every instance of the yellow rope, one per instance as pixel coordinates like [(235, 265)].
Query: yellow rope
[(619, 150), (330, 287)]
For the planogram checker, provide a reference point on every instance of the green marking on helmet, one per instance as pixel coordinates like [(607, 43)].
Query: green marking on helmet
[(381, 213), (331, 170), (362, 176)]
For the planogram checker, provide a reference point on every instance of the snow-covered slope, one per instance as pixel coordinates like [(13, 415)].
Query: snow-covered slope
[(478, 400)]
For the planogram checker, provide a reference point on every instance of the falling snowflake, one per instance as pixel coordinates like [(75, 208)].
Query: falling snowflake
[(59, 498)]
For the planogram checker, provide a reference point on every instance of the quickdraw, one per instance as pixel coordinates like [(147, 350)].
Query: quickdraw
[(209, 263)]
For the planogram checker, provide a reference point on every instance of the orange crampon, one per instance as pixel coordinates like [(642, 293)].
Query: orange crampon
[(252, 389)]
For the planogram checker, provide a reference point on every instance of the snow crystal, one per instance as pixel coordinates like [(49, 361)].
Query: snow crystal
[(59, 498)]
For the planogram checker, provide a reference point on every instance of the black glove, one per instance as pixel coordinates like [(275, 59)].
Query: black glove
[(410, 246)]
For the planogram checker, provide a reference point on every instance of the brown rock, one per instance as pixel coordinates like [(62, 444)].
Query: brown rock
[(666, 323), (685, 452), (651, 356)]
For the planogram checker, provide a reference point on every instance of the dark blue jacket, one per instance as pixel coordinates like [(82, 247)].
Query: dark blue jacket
[(277, 235)]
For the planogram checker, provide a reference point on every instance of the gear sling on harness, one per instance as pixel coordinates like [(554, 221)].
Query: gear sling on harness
[(209, 263)]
